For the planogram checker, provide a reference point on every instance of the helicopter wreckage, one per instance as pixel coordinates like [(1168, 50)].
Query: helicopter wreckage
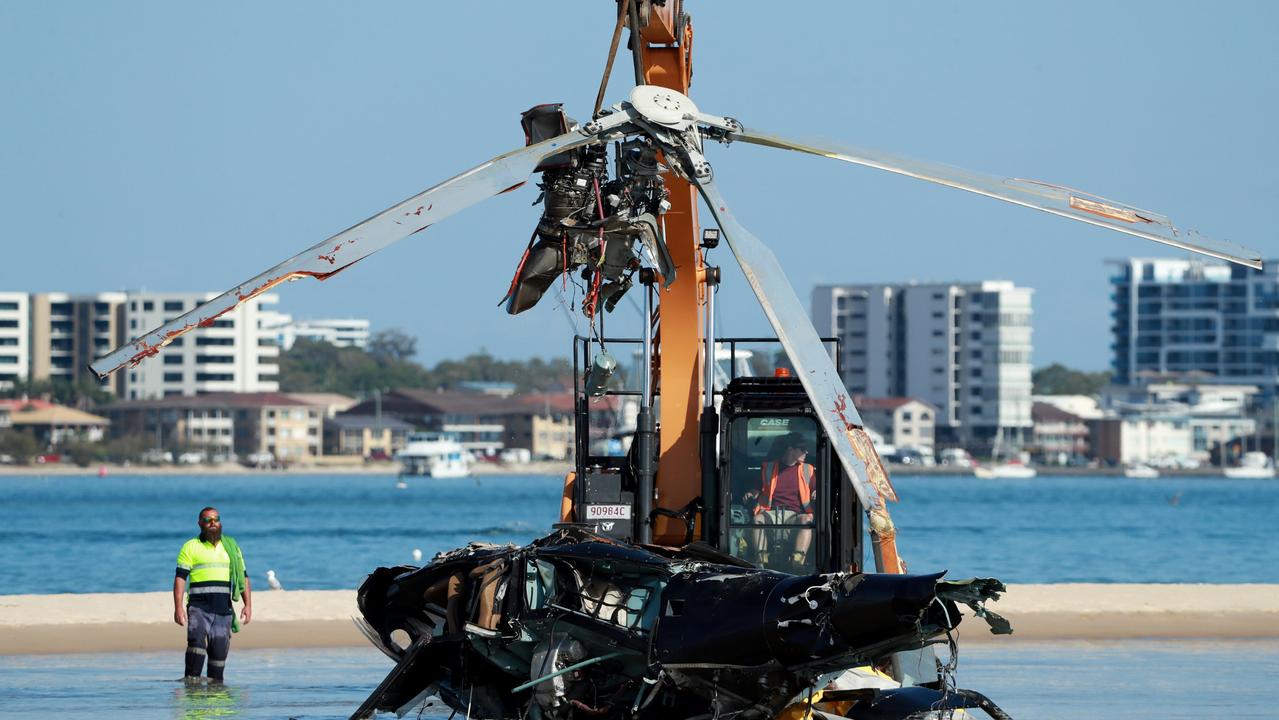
[(578, 625)]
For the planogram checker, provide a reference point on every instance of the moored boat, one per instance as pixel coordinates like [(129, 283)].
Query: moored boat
[(1140, 470), (1252, 465), (1012, 470), (434, 454)]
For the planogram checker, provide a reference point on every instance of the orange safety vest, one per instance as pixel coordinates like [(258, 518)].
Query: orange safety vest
[(806, 472)]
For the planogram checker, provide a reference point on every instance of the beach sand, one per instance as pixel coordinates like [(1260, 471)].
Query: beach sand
[(123, 622)]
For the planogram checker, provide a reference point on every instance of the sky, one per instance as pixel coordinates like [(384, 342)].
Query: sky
[(189, 146)]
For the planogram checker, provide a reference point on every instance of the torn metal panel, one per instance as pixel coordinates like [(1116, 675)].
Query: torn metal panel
[(875, 470), (576, 624), (974, 593)]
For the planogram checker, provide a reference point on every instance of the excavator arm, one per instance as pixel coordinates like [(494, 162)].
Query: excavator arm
[(665, 60)]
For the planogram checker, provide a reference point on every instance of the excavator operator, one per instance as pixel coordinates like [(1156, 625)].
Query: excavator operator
[(785, 498)]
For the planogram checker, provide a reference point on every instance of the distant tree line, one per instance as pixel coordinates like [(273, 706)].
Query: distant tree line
[(311, 366), (1057, 379), (84, 393), (20, 447)]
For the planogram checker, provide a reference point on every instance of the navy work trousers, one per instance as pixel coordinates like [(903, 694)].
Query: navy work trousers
[(207, 634)]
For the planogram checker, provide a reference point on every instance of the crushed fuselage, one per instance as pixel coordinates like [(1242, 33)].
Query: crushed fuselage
[(578, 625)]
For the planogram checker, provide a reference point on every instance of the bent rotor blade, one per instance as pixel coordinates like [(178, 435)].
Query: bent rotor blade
[(1053, 199), (812, 363), (499, 175)]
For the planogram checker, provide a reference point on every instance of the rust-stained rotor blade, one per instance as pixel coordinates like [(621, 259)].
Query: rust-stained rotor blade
[(502, 173), (812, 363), (1054, 199)]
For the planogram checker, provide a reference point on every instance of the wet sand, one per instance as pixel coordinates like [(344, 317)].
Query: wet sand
[(124, 622), (119, 622)]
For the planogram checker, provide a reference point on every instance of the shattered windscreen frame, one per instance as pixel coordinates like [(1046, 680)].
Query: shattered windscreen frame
[(626, 598)]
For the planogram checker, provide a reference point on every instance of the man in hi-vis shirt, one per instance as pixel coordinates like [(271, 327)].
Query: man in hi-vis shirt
[(214, 567)]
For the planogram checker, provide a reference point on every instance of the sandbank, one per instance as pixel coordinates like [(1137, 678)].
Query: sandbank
[(124, 622)]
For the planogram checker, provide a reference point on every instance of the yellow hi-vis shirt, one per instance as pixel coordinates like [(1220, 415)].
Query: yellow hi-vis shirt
[(207, 569)]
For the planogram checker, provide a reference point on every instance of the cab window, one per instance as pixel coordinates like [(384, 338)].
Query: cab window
[(773, 482)]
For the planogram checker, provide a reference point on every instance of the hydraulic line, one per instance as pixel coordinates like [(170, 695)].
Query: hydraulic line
[(622, 8), (637, 43)]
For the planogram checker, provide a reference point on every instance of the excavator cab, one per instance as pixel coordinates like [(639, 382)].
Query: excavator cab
[(782, 502), (773, 493)]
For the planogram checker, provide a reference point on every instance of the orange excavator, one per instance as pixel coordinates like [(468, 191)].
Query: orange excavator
[(692, 479)]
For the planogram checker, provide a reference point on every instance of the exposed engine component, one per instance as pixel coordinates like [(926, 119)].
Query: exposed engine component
[(602, 369), (589, 221)]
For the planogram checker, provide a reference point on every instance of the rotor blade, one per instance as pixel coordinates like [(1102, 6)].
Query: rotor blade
[(1050, 198), (812, 363), (321, 261)]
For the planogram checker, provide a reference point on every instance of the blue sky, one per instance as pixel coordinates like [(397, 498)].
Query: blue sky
[(188, 146)]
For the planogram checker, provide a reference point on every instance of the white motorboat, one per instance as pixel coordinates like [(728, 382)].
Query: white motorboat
[(1252, 465), (1010, 466), (434, 454), (1140, 470), (1005, 470)]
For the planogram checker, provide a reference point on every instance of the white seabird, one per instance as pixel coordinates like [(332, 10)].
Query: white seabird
[(272, 582)]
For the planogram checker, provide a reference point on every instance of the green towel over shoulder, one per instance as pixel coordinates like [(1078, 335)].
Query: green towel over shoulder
[(237, 576)]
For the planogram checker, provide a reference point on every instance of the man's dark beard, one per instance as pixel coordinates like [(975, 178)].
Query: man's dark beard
[(211, 535)]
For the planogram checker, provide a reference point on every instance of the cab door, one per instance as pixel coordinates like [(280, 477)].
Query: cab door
[(776, 494)]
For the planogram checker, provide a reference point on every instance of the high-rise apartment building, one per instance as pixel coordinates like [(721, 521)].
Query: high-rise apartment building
[(71, 330), (15, 332), (234, 354), (963, 347), (1178, 316)]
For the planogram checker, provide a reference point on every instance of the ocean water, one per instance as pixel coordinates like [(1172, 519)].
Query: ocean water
[(1134, 680), (122, 533)]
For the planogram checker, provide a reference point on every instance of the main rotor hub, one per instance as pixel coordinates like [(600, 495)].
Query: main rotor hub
[(663, 106)]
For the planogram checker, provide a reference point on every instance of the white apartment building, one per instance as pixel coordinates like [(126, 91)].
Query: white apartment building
[(71, 330), (15, 331), (964, 348), (236, 354), (343, 332)]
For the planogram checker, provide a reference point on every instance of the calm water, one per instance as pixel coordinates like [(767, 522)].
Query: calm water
[(1131, 680), (122, 533)]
